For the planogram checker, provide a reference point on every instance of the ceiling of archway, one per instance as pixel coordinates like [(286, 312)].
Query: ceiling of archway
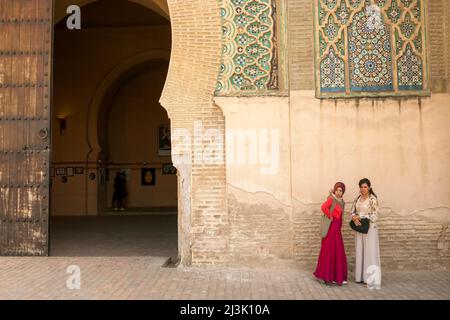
[(107, 15)]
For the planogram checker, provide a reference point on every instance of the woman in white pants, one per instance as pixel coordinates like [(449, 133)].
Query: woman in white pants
[(368, 264)]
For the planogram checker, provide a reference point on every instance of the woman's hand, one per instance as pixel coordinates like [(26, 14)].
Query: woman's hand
[(357, 220)]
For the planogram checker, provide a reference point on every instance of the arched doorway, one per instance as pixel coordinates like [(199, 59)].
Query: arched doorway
[(133, 140), (108, 78), (196, 46)]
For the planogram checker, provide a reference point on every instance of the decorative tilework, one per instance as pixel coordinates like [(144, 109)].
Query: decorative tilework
[(332, 73), (370, 48), (408, 26), (343, 13), (249, 57), (369, 56), (410, 74), (331, 28), (406, 3), (355, 3), (394, 13)]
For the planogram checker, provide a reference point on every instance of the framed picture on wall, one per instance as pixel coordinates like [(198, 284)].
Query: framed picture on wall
[(79, 170), (69, 172), (60, 171), (168, 168), (148, 176), (164, 140)]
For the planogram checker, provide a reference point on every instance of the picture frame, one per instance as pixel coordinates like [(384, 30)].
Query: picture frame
[(79, 170), (69, 172), (164, 140), (168, 169), (60, 171), (148, 176)]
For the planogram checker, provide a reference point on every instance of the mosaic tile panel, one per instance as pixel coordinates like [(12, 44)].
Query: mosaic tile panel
[(369, 55), (370, 48), (332, 73), (249, 57)]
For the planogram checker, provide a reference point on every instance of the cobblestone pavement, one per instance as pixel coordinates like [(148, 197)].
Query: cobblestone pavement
[(122, 258), (144, 278)]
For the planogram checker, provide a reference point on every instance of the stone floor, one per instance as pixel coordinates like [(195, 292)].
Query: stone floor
[(114, 235), (115, 263)]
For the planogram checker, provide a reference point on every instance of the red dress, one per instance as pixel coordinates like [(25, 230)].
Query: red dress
[(332, 264)]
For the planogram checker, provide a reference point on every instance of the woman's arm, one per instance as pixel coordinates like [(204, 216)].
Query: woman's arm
[(355, 216), (326, 206), (373, 214), (353, 209)]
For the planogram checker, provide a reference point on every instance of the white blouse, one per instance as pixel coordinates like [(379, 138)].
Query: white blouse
[(363, 207), (366, 208)]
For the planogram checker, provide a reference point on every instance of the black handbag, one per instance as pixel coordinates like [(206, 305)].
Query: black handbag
[(363, 228)]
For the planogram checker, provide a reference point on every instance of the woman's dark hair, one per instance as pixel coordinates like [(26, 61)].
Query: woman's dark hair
[(367, 181)]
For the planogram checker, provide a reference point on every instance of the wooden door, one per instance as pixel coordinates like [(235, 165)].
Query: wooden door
[(26, 30)]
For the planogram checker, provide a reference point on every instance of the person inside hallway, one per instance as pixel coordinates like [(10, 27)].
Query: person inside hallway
[(120, 191), (368, 262), (332, 264)]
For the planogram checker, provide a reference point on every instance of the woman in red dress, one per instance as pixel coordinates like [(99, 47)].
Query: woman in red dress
[(332, 264)]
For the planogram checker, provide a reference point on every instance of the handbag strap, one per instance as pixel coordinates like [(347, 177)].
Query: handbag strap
[(354, 204)]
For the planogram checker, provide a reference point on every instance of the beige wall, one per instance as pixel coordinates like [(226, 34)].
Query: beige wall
[(402, 145)]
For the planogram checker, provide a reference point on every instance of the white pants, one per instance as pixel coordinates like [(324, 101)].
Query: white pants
[(368, 264)]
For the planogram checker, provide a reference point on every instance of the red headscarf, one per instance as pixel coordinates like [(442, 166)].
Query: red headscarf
[(339, 185)]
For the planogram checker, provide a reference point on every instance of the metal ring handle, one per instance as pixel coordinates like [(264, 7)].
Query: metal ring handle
[(43, 133)]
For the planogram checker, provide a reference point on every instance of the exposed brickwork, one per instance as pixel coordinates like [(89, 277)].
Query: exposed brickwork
[(188, 94), (447, 33), (301, 45), (269, 235), (412, 244), (436, 43), (259, 233)]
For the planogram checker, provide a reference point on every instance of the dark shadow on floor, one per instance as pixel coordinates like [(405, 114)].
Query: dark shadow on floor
[(114, 236)]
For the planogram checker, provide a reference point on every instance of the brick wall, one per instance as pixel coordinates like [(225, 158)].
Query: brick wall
[(301, 45), (265, 232), (447, 33), (217, 230), (188, 93), (437, 43), (261, 231), (410, 244)]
